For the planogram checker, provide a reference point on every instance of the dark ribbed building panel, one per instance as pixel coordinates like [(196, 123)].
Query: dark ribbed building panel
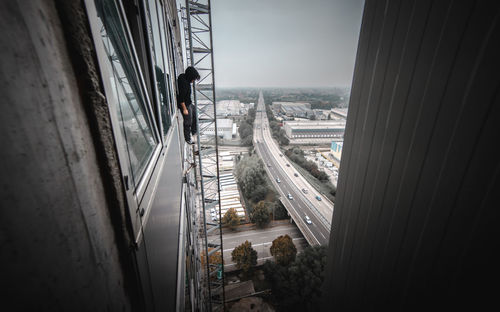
[(416, 214)]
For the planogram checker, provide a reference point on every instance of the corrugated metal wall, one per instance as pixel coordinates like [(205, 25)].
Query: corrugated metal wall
[(416, 215)]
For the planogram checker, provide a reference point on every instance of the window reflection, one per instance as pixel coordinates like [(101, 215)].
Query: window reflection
[(156, 39), (134, 121)]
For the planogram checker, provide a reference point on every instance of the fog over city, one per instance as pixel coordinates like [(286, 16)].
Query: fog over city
[(285, 43)]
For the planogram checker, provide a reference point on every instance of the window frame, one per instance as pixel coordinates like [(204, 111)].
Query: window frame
[(151, 46), (139, 195)]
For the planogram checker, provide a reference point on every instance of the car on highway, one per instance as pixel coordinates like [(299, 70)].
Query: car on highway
[(308, 220), (289, 196), (281, 155), (278, 180), (296, 174), (269, 165), (318, 197), (288, 165), (305, 191)]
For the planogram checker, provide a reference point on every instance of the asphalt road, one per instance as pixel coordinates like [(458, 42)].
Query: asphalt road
[(261, 240), (300, 205)]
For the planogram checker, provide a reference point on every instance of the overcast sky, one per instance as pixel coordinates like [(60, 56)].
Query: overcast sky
[(285, 43)]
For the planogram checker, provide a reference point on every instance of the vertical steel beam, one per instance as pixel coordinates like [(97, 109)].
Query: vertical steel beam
[(199, 43)]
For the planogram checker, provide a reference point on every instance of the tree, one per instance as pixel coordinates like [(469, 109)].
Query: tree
[(260, 214), (214, 259), (231, 218), (298, 287), (244, 256), (283, 250), (259, 193), (279, 211), (251, 174), (246, 133)]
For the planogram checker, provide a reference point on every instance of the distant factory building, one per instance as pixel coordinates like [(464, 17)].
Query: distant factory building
[(340, 112), (293, 109), (228, 108), (321, 114), (225, 128), (327, 129)]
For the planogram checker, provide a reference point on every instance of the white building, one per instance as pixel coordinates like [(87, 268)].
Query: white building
[(228, 108), (325, 129), (340, 112), (224, 128)]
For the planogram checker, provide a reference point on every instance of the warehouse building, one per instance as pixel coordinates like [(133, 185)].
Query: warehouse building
[(293, 109), (326, 130)]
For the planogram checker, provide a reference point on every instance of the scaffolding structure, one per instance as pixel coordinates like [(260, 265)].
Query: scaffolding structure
[(208, 251)]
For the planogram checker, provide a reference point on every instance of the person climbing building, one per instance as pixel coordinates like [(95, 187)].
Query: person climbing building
[(184, 102)]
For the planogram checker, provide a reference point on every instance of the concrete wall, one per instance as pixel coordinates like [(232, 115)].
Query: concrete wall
[(58, 246), (416, 220)]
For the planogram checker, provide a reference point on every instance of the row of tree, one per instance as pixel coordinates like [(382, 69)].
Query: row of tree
[(276, 130), (246, 128), (261, 214), (278, 133), (297, 286), (295, 280), (282, 249), (262, 203), (296, 154)]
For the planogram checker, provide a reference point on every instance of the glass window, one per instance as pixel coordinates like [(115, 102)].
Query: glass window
[(161, 71), (134, 120), (162, 25)]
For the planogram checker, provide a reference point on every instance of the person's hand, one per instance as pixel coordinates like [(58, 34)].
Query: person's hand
[(185, 112)]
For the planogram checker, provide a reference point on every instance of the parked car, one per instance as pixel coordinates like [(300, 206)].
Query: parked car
[(305, 191), (308, 220), (296, 174), (281, 155), (288, 165), (278, 180), (290, 196), (318, 197)]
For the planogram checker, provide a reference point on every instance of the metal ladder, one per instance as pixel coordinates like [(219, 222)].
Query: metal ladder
[(198, 35)]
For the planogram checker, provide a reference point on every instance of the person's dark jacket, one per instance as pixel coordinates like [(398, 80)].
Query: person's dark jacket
[(184, 91)]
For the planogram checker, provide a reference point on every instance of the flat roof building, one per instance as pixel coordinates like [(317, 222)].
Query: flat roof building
[(326, 130), (224, 128), (228, 108), (293, 109)]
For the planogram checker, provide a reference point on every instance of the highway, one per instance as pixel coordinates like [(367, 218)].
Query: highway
[(261, 240), (319, 212)]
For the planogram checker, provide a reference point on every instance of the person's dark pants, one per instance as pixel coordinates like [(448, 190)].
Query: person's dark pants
[(189, 122)]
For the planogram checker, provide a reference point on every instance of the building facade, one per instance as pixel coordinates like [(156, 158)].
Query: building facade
[(97, 177), (314, 129), (415, 224)]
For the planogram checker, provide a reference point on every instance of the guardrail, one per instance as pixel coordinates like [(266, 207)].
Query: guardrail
[(309, 236), (320, 216)]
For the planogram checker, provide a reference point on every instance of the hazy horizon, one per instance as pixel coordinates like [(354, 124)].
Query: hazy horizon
[(285, 43)]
